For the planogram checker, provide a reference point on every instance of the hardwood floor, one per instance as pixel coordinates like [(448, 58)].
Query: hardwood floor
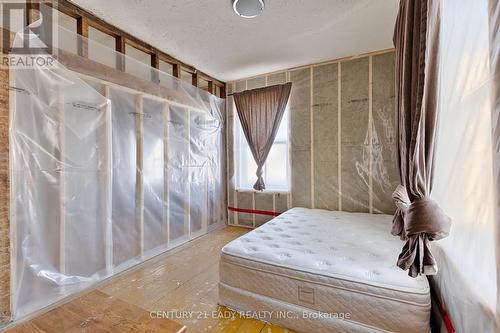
[(98, 312), (180, 284)]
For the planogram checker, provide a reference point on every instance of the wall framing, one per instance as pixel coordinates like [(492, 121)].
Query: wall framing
[(310, 148), (86, 19), (6, 100), (4, 196), (110, 77)]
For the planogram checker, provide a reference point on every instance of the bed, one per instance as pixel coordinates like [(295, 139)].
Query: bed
[(312, 270)]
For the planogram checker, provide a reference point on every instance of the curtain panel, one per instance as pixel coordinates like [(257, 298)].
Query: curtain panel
[(260, 112), (418, 219)]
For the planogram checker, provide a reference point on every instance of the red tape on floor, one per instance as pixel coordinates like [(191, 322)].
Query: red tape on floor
[(253, 211), (446, 319)]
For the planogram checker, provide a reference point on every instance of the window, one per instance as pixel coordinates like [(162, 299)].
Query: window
[(186, 76), (137, 62), (66, 32), (101, 47), (277, 167), (166, 67), (203, 84)]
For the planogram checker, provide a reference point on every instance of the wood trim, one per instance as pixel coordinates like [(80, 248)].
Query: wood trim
[(82, 28), (106, 180), (73, 10), (155, 60), (155, 63), (166, 158), (211, 87), (176, 70), (32, 11), (111, 77), (223, 91), (61, 157), (194, 80), (139, 192), (120, 48), (4, 195)]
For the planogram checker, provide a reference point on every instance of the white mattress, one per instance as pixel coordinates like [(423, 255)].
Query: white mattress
[(333, 262)]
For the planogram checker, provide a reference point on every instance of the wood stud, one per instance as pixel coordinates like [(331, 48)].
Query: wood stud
[(120, 48), (155, 63), (82, 28)]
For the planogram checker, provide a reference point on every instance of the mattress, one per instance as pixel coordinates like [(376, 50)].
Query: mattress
[(333, 270)]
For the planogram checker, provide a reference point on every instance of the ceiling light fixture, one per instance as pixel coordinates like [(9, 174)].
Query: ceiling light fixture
[(248, 8)]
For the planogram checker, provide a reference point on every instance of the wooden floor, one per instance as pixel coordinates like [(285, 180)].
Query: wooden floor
[(97, 312), (181, 283)]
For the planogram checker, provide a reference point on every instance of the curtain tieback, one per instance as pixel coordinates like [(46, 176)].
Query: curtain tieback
[(259, 184), (419, 223), (402, 202)]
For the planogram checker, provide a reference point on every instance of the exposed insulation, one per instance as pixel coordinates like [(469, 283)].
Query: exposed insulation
[(281, 202), (300, 107), (278, 78), (245, 201), (384, 165), (366, 153), (354, 138), (325, 115), (263, 201), (257, 82), (240, 86)]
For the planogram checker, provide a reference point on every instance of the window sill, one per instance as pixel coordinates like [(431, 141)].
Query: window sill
[(268, 191)]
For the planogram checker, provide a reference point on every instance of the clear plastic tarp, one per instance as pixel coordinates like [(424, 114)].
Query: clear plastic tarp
[(108, 169), (464, 184)]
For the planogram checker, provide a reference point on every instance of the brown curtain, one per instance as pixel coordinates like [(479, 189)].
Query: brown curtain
[(260, 112), (418, 219)]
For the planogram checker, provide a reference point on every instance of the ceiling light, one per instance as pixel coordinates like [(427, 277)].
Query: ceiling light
[(248, 8)]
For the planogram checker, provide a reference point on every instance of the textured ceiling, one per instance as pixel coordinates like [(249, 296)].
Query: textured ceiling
[(210, 36)]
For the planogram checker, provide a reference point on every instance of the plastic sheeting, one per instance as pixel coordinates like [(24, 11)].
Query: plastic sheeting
[(463, 181), (105, 177), (342, 139)]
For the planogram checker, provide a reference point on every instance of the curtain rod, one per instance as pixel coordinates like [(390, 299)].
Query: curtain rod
[(278, 84)]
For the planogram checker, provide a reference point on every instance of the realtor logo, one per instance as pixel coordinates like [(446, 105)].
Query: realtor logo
[(33, 44)]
